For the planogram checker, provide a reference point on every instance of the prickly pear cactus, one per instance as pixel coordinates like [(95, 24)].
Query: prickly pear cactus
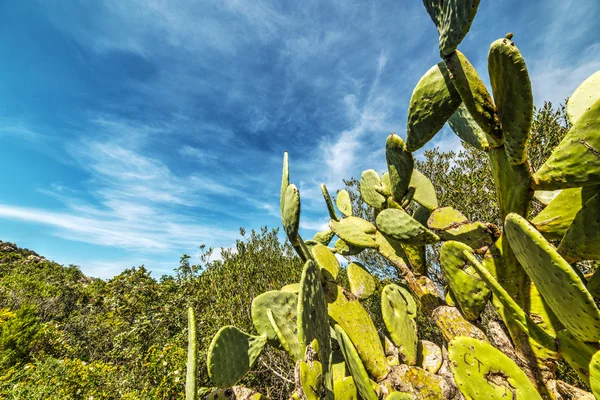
[(231, 355), (399, 318), (484, 372)]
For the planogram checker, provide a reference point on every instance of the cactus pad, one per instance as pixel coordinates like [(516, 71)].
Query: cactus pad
[(433, 102), (595, 374), (399, 225), (554, 220), (286, 333), (345, 389), (513, 96), (358, 325), (452, 19), (231, 354), (311, 379), (362, 283), (345, 249), (582, 240), (469, 291), (424, 190), (445, 218), (352, 231), (583, 97), (513, 183), (400, 165), (475, 96), (324, 237), (575, 162), (355, 365), (482, 371), (291, 211), (555, 279), (369, 180), (400, 322), (576, 353), (283, 304), (329, 203), (465, 127), (313, 321), (343, 203), (326, 261)]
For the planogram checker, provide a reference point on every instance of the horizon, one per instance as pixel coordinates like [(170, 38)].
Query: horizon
[(132, 136)]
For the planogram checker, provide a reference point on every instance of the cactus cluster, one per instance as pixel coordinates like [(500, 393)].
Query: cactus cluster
[(524, 269)]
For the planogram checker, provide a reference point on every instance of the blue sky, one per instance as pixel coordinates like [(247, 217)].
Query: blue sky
[(133, 131)]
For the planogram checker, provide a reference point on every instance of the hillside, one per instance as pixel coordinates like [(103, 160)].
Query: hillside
[(66, 335)]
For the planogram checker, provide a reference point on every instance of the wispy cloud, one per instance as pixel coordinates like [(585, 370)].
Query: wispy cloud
[(164, 124)]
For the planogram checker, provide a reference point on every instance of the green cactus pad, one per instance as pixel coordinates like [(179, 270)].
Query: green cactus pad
[(399, 225), (329, 203), (362, 283), (386, 184), (345, 389), (469, 291), (595, 374), (433, 102), (313, 321), (554, 220), (285, 181), (352, 231), (345, 249), (583, 97), (327, 261), (355, 365), (231, 354), (576, 353), (400, 165), (343, 203), (399, 322), (392, 249), (513, 97), (575, 162), (290, 217), (286, 334), (311, 379), (452, 19), (292, 288), (582, 240), (358, 325), (475, 96), (546, 196), (556, 280), (191, 366), (283, 304), (513, 183), (369, 180), (465, 127), (424, 190), (483, 372), (445, 218), (324, 237)]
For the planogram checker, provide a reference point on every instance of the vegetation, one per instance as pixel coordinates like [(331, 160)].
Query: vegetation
[(523, 260), (469, 274)]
